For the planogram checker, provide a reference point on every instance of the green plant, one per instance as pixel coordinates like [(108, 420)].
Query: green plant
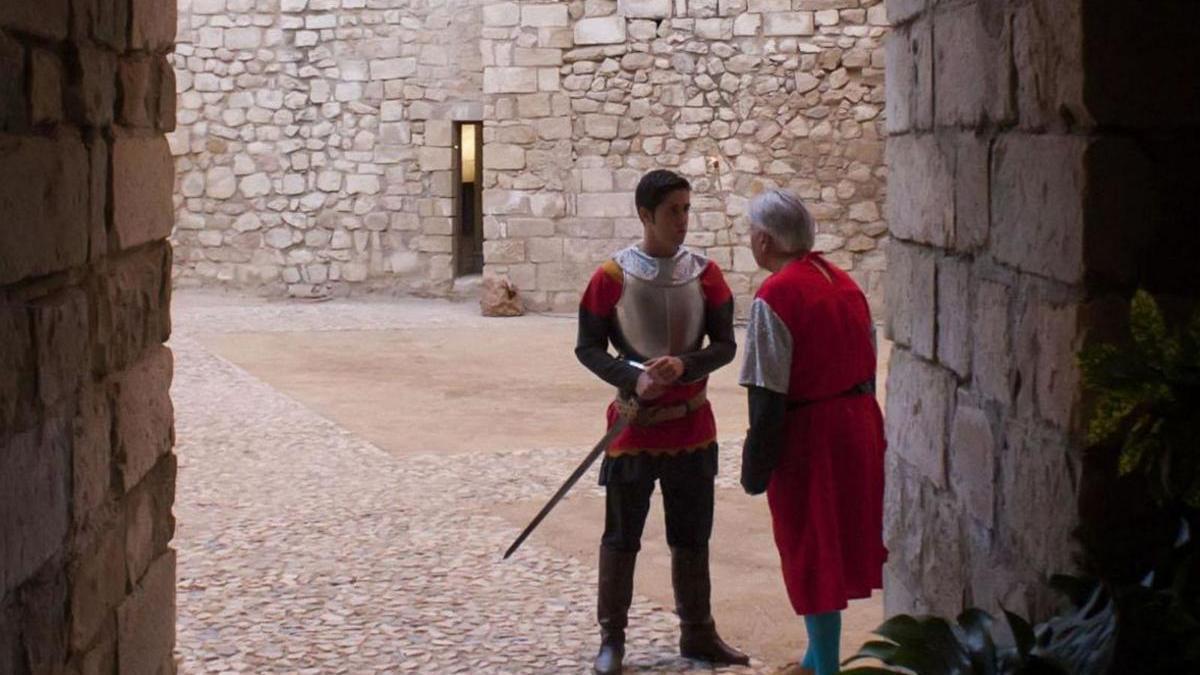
[(1080, 641), (1147, 398)]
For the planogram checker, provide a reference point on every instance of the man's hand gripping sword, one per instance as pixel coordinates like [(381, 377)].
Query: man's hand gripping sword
[(627, 413)]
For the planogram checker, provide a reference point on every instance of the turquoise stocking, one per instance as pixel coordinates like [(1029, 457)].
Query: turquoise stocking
[(824, 641)]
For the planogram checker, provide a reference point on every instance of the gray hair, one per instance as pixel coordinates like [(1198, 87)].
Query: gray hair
[(782, 215)]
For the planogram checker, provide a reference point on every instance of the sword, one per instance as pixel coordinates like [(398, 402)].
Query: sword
[(597, 450)]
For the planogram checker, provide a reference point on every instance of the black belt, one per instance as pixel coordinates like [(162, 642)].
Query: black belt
[(864, 387)]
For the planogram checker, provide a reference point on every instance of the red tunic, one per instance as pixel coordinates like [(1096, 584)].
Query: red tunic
[(826, 492)]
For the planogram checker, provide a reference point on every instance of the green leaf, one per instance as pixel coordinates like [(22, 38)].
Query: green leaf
[(977, 637), (1022, 632), (902, 629), (1148, 327), (875, 649)]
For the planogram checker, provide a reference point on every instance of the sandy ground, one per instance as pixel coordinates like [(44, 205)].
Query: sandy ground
[(459, 386)]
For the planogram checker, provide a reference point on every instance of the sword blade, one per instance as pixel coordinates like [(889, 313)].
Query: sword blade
[(596, 451)]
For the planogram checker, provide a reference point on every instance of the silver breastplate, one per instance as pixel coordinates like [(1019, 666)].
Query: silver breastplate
[(662, 315)]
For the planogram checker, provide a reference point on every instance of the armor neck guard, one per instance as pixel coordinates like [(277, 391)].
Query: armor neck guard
[(683, 267)]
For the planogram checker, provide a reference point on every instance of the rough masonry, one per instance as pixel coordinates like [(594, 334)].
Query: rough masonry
[(87, 475), (314, 141), (1035, 166)]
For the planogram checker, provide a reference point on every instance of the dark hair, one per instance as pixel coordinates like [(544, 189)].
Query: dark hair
[(654, 187)]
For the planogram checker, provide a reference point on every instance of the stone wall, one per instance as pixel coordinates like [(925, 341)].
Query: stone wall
[(1030, 169), (736, 95), (87, 476), (300, 154), (314, 147)]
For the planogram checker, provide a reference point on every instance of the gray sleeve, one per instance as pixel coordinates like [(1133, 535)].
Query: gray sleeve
[(768, 354)]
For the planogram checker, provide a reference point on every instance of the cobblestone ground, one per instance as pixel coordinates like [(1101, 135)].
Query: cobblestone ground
[(303, 548)]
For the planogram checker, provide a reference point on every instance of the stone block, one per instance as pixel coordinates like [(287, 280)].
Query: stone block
[(434, 159), (972, 65), (97, 581), (1049, 335), (971, 192), (1048, 53), (919, 400), (545, 249), (901, 11), (973, 463), (920, 199), (14, 115), (167, 100), (603, 30), (152, 25), (149, 524), (911, 297), (769, 5), (644, 9), (504, 157), (60, 331), (255, 185), (547, 205), (504, 202), (91, 473), (45, 19), (1039, 494), (502, 14), (1037, 204), (954, 312), (714, 29), (43, 620), (91, 91), (747, 25), (544, 16), (390, 69), (131, 306), (519, 228), (34, 505), (246, 38), (909, 71), (362, 184), (144, 416), (601, 126), (134, 99), (44, 196), (610, 205), (510, 80), (146, 621), (504, 251), (45, 88), (537, 56), (439, 133), (993, 357), (103, 21), (142, 174), (17, 360), (782, 24)]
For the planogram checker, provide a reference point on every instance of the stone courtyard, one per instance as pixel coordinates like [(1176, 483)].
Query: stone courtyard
[(315, 539)]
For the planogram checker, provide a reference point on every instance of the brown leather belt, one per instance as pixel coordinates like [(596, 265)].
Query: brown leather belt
[(649, 416)]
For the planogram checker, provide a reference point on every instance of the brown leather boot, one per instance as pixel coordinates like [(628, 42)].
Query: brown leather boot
[(698, 638), (612, 607)]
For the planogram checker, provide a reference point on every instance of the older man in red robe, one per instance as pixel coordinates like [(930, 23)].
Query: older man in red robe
[(816, 440)]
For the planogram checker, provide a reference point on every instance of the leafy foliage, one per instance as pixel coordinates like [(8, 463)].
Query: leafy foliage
[(1078, 642), (1147, 396)]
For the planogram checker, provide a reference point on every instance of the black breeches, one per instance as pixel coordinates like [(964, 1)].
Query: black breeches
[(687, 494)]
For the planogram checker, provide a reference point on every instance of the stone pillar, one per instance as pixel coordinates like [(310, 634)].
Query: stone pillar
[(87, 476), (1026, 176)]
